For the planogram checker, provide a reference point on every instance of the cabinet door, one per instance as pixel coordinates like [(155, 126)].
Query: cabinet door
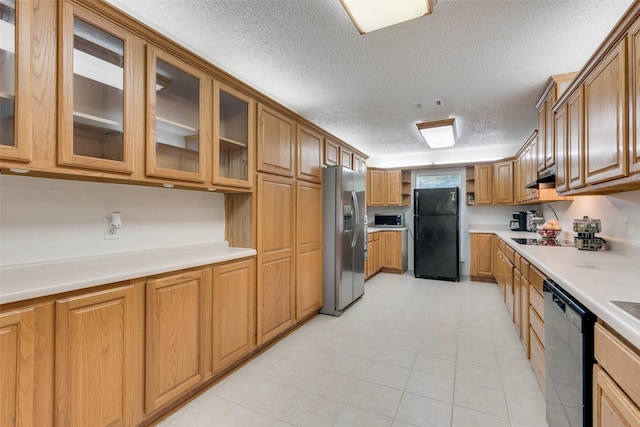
[(276, 253), (346, 158), (561, 145), (233, 158), (634, 93), (99, 358), (394, 187), (308, 249), (97, 92), (179, 118), (481, 255), (234, 312), (484, 184), (276, 142), (605, 118), (611, 407), (392, 250), (550, 122), (575, 139), (331, 152), (524, 312), (15, 84), (517, 316), (309, 164), (174, 335), (376, 188), (540, 152), (359, 164), (16, 367), (503, 181), (377, 254)]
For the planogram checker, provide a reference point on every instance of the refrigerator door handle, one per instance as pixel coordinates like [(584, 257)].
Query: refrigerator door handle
[(453, 196), (354, 239)]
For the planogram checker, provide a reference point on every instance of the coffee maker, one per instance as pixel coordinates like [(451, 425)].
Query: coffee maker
[(519, 221)]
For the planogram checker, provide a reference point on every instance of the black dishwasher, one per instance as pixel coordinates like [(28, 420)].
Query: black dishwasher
[(568, 336)]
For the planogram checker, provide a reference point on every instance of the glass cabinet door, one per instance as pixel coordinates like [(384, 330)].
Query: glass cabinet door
[(179, 101), (15, 96), (95, 93), (235, 126)]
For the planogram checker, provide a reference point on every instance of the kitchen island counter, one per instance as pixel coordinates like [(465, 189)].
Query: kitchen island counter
[(594, 278), (31, 280)]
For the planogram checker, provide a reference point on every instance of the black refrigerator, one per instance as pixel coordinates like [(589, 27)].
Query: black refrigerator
[(436, 241)]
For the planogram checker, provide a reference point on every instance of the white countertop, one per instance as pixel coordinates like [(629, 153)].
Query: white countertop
[(593, 277), (378, 229), (24, 281)]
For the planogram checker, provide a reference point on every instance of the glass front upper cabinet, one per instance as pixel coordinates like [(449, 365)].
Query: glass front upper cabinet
[(96, 93), (179, 119), (233, 150), (15, 96)]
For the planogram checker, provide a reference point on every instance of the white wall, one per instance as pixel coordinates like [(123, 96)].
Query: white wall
[(45, 219), (612, 210)]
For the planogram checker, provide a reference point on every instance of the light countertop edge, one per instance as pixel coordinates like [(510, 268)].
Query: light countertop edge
[(379, 229), (31, 280), (593, 277)]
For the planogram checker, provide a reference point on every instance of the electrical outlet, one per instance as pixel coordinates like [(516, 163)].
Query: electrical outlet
[(107, 230), (626, 227)]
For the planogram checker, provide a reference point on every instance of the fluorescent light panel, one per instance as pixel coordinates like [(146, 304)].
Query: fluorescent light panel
[(438, 134), (371, 15)]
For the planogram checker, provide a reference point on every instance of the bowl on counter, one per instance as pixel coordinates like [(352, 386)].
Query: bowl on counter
[(549, 234)]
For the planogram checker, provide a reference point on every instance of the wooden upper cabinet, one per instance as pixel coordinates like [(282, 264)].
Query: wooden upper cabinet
[(309, 149), (234, 127), (549, 140), (331, 152), (15, 81), (179, 118), (346, 158), (540, 147), (575, 139), (175, 318), (606, 155), (561, 145), (359, 164), (97, 92), (394, 187), (376, 188), (503, 183), (484, 184), (634, 93), (99, 358), (16, 367), (276, 142)]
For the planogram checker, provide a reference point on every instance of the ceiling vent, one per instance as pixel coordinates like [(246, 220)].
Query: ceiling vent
[(429, 104)]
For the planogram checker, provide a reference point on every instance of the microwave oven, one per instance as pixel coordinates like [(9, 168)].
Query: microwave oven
[(396, 220)]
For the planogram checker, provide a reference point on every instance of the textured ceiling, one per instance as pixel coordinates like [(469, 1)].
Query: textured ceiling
[(488, 60)]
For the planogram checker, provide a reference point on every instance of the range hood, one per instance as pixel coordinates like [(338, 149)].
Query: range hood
[(546, 178)]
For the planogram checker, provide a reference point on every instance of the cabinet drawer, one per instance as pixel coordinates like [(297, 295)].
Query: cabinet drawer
[(536, 300), (524, 267), (509, 253), (537, 358), (536, 278), (537, 324), (621, 361)]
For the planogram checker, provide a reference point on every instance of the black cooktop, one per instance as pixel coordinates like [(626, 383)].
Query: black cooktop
[(543, 242)]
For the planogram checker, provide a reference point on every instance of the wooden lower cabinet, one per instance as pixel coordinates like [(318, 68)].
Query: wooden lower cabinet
[(175, 319), (391, 251), (233, 313), (537, 358), (276, 305), (481, 257), (308, 249), (16, 367), (524, 312), (99, 357), (611, 406)]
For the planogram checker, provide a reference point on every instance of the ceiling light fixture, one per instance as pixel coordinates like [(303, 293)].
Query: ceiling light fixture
[(371, 15), (439, 133)]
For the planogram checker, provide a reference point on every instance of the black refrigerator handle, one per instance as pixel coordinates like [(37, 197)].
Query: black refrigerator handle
[(416, 201)]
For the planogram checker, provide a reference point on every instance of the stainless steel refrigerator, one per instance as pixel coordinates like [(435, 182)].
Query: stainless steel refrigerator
[(436, 243), (344, 243)]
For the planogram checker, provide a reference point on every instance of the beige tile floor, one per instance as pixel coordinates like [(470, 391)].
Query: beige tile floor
[(411, 352)]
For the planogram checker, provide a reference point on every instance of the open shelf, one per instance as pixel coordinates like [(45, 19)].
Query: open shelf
[(470, 185), (175, 127), (90, 119), (233, 142)]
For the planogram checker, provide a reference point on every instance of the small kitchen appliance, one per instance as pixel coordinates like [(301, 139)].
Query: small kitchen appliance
[(534, 218), (395, 220), (586, 239), (519, 221)]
